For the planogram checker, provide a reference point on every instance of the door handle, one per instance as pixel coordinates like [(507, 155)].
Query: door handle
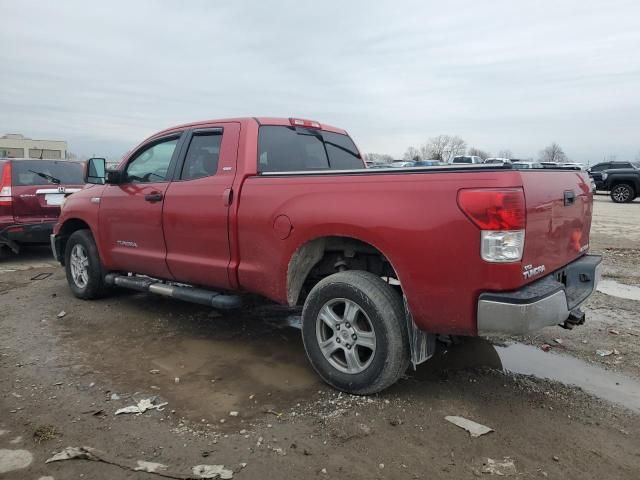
[(227, 197), (153, 197)]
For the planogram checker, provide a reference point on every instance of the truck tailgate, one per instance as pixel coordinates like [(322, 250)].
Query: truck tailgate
[(559, 205)]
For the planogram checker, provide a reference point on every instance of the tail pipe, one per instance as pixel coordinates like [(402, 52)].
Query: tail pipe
[(188, 294)]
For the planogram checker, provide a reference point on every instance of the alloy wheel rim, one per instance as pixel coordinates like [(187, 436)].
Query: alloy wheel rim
[(621, 194), (345, 336), (79, 263)]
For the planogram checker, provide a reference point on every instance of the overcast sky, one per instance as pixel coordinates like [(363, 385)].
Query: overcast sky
[(500, 74)]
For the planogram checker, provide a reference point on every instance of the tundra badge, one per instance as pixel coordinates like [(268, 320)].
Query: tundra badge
[(530, 271)]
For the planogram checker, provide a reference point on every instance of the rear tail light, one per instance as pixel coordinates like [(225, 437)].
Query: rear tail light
[(5, 185), (500, 214)]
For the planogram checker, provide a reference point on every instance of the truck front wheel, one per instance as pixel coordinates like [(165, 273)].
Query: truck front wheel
[(354, 333), (84, 271), (623, 193)]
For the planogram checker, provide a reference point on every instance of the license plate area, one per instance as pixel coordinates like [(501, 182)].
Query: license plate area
[(54, 199), (579, 279)]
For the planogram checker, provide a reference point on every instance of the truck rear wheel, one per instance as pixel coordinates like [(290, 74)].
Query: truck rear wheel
[(85, 275), (354, 332), (623, 193)]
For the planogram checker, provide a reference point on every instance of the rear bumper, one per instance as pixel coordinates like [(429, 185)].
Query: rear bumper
[(20, 233), (549, 301)]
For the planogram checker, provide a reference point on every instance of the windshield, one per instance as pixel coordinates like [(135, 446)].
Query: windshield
[(290, 149), (25, 172)]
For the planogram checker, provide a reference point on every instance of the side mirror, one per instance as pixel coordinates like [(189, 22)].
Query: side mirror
[(95, 173), (114, 177)]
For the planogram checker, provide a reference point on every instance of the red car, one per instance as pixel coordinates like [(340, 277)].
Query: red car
[(381, 260), (31, 192)]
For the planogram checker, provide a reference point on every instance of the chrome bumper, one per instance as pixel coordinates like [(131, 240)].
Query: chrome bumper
[(547, 302)]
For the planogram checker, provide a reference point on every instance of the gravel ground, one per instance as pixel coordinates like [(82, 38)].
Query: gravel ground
[(239, 390)]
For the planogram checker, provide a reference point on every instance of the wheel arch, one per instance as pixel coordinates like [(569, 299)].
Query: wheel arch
[(68, 227), (311, 254)]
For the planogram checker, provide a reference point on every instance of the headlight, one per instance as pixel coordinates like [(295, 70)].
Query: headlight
[(604, 176)]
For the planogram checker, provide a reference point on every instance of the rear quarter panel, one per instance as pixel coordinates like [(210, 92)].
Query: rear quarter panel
[(413, 219)]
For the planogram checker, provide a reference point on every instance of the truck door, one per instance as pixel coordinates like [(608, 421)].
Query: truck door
[(130, 216), (196, 208)]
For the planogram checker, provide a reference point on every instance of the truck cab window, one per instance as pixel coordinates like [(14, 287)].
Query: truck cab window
[(291, 149), (202, 156), (152, 163)]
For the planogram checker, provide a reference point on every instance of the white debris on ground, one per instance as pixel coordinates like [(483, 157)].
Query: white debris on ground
[(142, 406), (504, 468), (61, 314), (11, 460), (150, 467), (197, 471), (212, 471), (474, 429)]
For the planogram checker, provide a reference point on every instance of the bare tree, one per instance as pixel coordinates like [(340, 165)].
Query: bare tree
[(379, 158), (506, 153), (476, 152), (443, 148), (553, 153), (412, 154)]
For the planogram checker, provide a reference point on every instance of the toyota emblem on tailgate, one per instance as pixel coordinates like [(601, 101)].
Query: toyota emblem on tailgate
[(60, 189)]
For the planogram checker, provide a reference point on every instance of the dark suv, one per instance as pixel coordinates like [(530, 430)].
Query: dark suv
[(596, 171), (31, 192)]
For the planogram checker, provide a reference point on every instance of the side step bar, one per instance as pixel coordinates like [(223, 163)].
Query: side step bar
[(188, 294)]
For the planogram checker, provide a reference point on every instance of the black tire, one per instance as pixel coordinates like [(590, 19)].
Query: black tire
[(94, 286), (383, 309), (623, 193)]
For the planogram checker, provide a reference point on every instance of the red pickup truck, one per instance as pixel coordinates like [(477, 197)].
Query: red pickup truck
[(382, 260)]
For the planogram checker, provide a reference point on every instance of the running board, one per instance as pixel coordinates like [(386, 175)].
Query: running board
[(188, 294)]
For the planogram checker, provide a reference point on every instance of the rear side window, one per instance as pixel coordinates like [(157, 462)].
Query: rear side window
[(289, 149), (202, 156), (34, 172)]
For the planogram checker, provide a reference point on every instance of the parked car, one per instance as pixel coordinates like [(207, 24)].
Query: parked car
[(264, 205), (596, 171), (428, 163), (402, 163), (497, 161), (573, 165), (467, 159), (623, 184), (522, 165), (31, 192), (550, 164)]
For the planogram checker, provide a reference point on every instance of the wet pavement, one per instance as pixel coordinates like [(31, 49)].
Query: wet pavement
[(620, 290)]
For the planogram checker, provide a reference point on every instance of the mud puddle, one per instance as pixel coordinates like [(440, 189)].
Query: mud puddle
[(527, 360), (620, 290)]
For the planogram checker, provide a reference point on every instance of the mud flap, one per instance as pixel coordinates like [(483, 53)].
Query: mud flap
[(421, 343)]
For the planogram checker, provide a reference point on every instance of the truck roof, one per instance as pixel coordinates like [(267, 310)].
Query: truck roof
[(259, 120)]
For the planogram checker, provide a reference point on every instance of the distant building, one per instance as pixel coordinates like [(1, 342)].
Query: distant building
[(14, 145)]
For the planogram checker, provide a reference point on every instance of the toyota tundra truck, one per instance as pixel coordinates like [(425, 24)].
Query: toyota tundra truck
[(380, 261)]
